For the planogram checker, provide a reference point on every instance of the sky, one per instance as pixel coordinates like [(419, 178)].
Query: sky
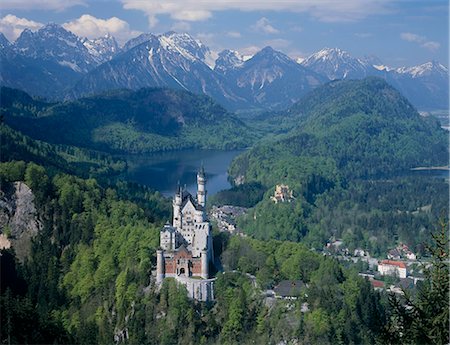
[(398, 32)]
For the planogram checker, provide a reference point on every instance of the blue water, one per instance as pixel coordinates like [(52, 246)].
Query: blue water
[(162, 171), (431, 173)]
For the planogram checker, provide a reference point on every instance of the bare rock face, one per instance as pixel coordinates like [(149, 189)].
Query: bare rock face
[(19, 221)]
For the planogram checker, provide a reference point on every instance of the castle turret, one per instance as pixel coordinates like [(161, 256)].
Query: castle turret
[(160, 266), (205, 264), (177, 200), (201, 190)]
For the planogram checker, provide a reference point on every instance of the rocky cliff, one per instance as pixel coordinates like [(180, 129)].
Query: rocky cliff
[(19, 221)]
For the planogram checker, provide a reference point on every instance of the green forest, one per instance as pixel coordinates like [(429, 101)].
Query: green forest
[(143, 121), (345, 150), (87, 280)]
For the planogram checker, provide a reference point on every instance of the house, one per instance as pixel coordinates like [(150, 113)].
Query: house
[(392, 268), (400, 252), (368, 274), (377, 284), (394, 254)]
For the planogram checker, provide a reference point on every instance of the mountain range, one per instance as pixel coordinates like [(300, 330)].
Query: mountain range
[(55, 64)]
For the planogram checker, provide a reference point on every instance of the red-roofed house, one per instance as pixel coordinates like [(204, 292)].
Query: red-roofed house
[(377, 284), (392, 268)]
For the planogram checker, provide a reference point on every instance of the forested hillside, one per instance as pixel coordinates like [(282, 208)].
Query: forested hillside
[(88, 279), (16, 146), (126, 121), (346, 130), (347, 154)]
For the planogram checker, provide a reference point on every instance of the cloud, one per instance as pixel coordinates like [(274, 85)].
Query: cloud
[(410, 37), (92, 27), (431, 45), (191, 15), (297, 55), (57, 5), (322, 10), (233, 34), (12, 26), (250, 50), (263, 25), (421, 40), (181, 26), (85, 26)]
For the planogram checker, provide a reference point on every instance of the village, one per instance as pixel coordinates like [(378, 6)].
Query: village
[(399, 271)]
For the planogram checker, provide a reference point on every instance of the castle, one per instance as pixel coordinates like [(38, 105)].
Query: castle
[(186, 249)]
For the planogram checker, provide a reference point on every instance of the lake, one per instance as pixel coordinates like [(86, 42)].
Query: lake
[(431, 173), (162, 171)]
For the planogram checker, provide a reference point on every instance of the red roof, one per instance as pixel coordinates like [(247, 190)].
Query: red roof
[(377, 283), (393, 263)]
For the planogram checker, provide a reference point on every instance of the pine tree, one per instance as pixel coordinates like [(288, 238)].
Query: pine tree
[(424, 319)]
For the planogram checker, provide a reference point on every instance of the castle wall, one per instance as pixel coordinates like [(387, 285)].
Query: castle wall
[(199, 289), (192, 266)]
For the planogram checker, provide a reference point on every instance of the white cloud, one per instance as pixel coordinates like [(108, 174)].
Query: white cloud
[(263, 25), (58, 5), (92, 27), (233, 34), (297, 55), (85, 26), (181, 26), (250, 50), (323, 10), (191, 15), (410, 37), (431, 45), (12, 26), (421, 40)]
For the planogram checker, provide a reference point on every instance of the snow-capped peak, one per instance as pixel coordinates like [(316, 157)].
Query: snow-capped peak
[(228, 60), (424, 69), (189, 47), (329, 54), (382, 68), (54, 43), (102, 48), (336, 63)]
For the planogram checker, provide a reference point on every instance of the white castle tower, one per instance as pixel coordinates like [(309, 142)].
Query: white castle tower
[(186, 248), (177, 201), (201, 183)]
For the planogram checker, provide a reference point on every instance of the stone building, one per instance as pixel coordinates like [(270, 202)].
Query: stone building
[(392, 268), (186, 249), (282, 194)]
